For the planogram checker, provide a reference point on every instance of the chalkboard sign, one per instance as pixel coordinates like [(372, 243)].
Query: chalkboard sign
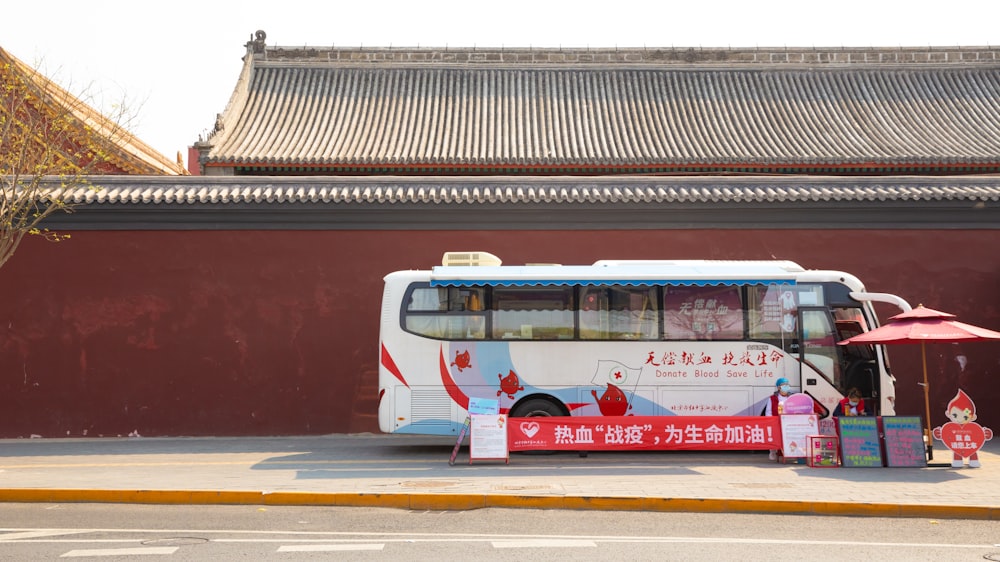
[(904, 441), (859, 442)]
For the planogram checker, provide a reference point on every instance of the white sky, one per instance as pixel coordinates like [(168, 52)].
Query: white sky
[(176, 63)]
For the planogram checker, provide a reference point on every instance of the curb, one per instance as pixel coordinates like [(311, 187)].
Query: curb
[(462, 502)]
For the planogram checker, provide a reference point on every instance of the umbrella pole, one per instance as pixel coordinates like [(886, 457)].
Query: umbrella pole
[(927, 404)]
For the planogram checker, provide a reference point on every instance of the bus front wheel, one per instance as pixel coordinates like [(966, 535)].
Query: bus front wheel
[(536, 407)]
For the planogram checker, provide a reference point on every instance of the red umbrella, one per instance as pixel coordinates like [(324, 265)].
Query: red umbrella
[(923, 325)]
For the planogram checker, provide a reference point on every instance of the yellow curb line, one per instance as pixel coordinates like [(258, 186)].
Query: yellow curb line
[(462, 502), (194, 497)]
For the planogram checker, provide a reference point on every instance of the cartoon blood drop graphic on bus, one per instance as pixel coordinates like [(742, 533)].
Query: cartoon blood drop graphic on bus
[(612, 402), (462, 360), (509, 385), (962, 434)]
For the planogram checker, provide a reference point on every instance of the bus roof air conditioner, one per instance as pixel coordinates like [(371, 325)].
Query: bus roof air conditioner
[(470, 258)]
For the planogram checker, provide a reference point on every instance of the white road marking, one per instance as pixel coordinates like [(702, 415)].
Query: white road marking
[(260, 536), (39, 533), (543, 543), (329, 547), (120, 551)]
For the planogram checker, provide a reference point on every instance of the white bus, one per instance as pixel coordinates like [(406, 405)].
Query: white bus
[(618, 338)]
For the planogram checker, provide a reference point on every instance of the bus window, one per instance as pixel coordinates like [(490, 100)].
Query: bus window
[(533, 313), (702, 313), (819, 345), (772, 311), (618, 313), (446, 312)]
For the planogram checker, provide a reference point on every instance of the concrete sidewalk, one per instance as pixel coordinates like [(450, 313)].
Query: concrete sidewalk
[(412, 472)]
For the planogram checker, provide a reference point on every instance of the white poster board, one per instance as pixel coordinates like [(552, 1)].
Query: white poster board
[(795, 430), (489, 438)]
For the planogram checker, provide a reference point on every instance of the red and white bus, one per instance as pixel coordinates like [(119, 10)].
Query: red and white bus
[(618, 338)]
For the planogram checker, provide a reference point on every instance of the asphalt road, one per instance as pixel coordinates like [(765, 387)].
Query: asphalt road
[(51, 531)]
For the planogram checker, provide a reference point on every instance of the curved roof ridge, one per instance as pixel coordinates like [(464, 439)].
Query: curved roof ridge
[(628, 56)]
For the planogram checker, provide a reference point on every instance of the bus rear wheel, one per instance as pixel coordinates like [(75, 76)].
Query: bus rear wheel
[(536, 407)]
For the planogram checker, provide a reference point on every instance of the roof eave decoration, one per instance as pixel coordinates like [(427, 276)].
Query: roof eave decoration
[(971, 191)]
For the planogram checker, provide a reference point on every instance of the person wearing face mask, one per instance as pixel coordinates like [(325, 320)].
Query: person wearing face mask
[(852, 405), (773, 407), (781, 393)]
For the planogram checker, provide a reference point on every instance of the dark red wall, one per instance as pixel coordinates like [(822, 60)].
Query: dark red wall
[(275, 332)]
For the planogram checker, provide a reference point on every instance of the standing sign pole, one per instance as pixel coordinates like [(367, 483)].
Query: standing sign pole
[(461, 437), (927, 406)]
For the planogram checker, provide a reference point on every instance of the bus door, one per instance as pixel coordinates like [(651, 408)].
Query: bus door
[(860, 366), (820, 365)]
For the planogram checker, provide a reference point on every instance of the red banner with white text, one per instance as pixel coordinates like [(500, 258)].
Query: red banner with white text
[(643, 433)]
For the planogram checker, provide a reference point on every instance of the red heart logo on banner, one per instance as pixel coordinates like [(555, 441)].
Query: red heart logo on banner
[(529, 428)]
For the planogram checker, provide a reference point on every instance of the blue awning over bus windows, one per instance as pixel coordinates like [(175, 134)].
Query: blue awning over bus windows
[(722, 273)]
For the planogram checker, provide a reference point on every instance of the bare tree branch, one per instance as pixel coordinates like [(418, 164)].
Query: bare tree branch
[(50, 143)]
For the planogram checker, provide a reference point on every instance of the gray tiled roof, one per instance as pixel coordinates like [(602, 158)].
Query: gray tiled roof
[(502, 191), (387, 203), (612, 111)]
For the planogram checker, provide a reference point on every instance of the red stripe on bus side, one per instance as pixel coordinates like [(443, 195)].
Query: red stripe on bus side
[(390, 365), (449, 384)]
